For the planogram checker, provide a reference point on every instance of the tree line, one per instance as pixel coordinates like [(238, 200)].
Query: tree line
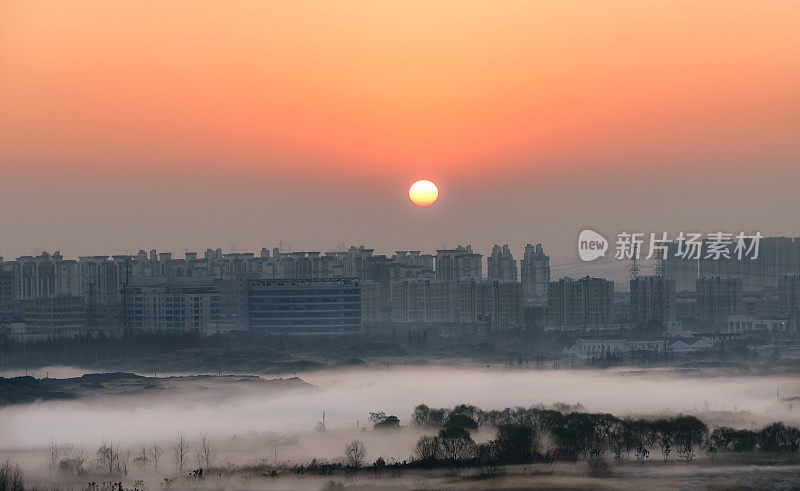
[(89, 349), (543, 434)]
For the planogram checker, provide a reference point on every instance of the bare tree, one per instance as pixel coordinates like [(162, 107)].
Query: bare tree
[(354, 453), (72, 458), (66, 450), (52, 454), (142, 458), (205, 454), (155, 453), (180, 451), (124, 460), (108, 456)]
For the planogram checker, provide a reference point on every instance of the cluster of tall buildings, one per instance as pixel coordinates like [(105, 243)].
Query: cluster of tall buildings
[(725, 294), (352, 290), (273, 291)]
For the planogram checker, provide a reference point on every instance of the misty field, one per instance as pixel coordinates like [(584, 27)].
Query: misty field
[(242, 429)]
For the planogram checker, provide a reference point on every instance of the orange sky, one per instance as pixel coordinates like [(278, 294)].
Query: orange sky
[(474, 93)]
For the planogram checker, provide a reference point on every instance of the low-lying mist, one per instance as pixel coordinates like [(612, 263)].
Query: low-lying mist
[(246, 425)]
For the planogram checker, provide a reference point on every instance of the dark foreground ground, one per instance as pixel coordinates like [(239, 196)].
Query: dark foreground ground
[(650, 475)]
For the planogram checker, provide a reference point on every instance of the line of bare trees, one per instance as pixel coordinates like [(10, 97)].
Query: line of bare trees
[(111, 459)]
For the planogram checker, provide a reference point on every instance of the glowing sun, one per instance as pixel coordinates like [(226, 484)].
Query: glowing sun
[(423, 193)]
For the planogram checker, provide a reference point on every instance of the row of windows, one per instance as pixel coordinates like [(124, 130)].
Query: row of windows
[(311, 330), (309, 306), (301, 315), (317, 299), (306, 322), (304, 291), (178, 315), (212, 310), (174, 299), (53, 310)]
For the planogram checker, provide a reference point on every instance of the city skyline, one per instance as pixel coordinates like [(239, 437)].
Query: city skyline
[(563, 264), (778, 253), (357, 291)]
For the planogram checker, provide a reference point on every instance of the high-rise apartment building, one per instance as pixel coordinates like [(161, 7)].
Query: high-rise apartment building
[(583, 304), (460, 263), (501, 265), (7, 304), (682, 270), (457, 302), (789, 298), (717, 298), (535, 273), (777, 257), (34, 277), (180, 304), (652, 298)]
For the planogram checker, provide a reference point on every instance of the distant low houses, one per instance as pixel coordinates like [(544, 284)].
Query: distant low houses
[(686, 345), (748, 325), (612, 346)]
